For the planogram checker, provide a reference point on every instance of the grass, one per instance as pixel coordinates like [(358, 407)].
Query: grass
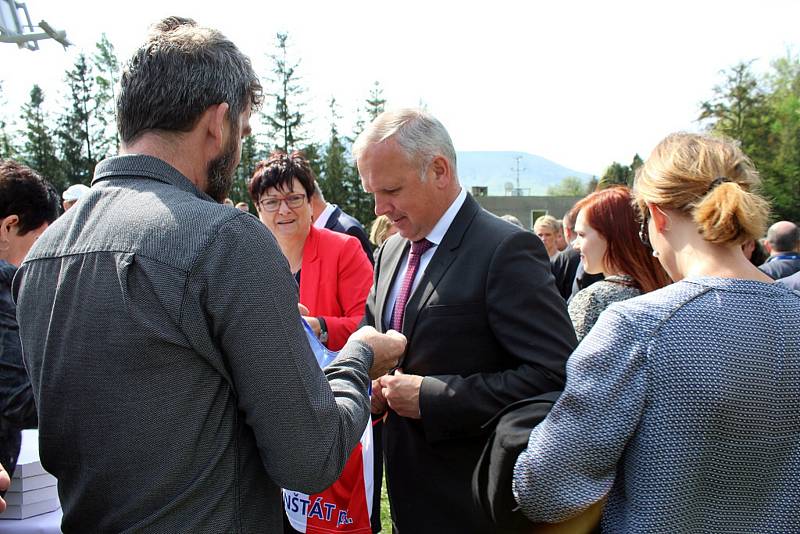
[(386, 517)]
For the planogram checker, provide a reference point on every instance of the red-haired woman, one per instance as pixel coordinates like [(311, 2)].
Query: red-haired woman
[(607, 228)]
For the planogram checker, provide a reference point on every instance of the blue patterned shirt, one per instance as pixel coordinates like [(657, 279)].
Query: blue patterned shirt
[(682, 406)]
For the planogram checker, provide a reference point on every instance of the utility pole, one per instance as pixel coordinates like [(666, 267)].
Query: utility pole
[(518, 169)]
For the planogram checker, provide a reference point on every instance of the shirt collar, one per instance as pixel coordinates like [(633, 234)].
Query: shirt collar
[(437, 234), (322, 220), (140, 166), (784, 256)]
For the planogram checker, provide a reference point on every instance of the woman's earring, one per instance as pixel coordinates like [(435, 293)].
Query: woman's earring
[(656, 254)]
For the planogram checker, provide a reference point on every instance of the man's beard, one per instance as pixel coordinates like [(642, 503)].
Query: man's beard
[(219, 176)]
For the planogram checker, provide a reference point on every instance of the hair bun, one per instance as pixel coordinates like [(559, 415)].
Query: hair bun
[(726, 213)]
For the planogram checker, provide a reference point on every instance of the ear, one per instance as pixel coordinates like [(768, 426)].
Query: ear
[(216, 121), (442, 173), (660, 219), (7, 224)]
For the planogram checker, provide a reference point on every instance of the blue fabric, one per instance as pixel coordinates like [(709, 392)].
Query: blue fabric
[(321, 353), (683, 407)]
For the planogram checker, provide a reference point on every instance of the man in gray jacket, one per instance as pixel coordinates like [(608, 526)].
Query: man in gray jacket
[(175, 386)]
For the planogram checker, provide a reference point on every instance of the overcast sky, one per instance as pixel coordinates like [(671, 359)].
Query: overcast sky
[(580, 83)]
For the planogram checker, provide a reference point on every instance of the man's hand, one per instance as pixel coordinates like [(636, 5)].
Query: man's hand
[(387, 348), (377, 400), (5, 482), (401, 392)]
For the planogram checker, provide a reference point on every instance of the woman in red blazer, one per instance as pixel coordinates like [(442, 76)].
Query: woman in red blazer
[(332, 270)]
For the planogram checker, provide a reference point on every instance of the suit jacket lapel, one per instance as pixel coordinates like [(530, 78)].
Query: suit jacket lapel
[(310, 271), (443, 257), (393, 253)]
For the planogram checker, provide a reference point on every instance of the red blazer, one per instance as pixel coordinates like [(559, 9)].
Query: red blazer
[(335, 278)]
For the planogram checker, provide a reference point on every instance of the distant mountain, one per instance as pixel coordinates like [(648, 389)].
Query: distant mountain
[(496, 169)]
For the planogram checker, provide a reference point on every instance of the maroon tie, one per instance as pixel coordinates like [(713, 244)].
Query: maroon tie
[(418, 248)]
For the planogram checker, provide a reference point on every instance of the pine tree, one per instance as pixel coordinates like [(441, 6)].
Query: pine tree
[(362, 204), (762, 114), (739, 110), (247, 166), (81, 131), (107, 67), (615, 174), (592, 185), (376, 105), (335, 166), (39, 151), (286, 121), (7, 148)]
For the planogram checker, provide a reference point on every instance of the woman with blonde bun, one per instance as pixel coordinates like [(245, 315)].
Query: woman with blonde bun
[(680, 412), (382, 229)]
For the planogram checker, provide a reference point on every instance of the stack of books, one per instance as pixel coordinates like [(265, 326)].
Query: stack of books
[(33, 490)]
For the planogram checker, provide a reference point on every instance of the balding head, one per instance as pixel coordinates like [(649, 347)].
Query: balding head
[(783, 236)]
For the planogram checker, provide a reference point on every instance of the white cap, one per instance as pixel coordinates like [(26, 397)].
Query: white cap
[(74, 192)]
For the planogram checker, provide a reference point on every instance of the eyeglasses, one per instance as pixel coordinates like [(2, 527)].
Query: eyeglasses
[(274, 203), (644, 234)]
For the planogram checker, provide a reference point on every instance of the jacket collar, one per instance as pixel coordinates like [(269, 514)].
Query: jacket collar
[(138, 166)]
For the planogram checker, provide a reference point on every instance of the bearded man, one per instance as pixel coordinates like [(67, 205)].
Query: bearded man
[(176, 388)]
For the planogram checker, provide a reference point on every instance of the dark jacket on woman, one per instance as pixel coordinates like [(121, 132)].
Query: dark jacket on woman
[(17, 408)]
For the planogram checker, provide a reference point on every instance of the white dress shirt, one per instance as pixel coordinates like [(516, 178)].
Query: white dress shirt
[(322, 220)]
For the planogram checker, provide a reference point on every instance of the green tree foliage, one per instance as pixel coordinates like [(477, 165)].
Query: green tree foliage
[(763, 115), (592, 185), (571, 186), (376, 105), (39, 150), (285, 123), (333, 180), (315, 155), (782, 179), (619, 174), (339, 180), (7, 148), (81, 128), (107, 67), (615, 174), (247, 166), (361, 204)]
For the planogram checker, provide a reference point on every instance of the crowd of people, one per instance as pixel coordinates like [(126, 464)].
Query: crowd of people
[(157, 336)]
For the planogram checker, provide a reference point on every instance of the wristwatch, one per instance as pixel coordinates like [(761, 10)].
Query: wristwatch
[(323, 330)]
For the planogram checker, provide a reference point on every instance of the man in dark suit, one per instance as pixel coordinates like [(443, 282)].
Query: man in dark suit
[(475, 297), (332, 217)]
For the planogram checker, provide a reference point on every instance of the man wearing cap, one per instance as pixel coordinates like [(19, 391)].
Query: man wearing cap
[(72, 194)]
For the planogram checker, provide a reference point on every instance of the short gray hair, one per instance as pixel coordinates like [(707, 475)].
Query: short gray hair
[(421, 136), (180, 71)]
